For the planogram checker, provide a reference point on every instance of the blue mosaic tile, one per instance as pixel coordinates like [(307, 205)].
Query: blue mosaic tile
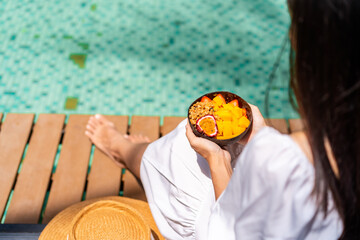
[(144, 57)]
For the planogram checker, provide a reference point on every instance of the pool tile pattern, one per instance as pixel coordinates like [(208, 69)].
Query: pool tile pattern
[(140, 57)]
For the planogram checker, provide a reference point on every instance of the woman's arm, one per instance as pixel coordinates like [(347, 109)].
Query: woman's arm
[(221, 172), (219, 160)]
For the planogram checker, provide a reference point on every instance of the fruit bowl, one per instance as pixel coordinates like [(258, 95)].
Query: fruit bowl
[(228, 97)]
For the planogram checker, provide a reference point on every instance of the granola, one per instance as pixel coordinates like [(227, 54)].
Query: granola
[(199, 110)]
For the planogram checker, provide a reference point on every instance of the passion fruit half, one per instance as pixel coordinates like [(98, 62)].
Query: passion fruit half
[(207, 125)]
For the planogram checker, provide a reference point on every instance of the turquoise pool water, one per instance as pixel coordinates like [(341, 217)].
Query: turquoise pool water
[(140, 57)]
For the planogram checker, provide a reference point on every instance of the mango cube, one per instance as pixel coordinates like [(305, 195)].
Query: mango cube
[(224, 114), (238, 130), (228, 106), (220, 125), (244, 122), (238, 113), (227, 128), (218, 100)]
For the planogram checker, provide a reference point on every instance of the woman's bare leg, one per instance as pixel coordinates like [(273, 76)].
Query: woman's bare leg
[(125, 150)]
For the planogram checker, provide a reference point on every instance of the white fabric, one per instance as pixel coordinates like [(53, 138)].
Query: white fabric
[(178, 186), (268, 196)]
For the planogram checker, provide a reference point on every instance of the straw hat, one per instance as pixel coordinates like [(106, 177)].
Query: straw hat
[(103, 218)]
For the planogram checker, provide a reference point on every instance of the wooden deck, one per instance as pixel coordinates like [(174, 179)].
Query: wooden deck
[(48, 165)]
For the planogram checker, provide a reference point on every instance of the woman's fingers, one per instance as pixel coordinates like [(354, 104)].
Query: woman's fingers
[(258, 117), (189, 133), (194, 141), (204, 147)]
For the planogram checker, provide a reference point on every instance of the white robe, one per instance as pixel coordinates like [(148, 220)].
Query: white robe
[(268, 196)]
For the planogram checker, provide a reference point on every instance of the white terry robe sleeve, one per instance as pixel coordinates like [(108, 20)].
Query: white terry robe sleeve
[(269, 195), (178, 186)]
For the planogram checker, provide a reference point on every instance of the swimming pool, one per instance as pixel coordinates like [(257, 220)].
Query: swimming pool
[(140, 57)]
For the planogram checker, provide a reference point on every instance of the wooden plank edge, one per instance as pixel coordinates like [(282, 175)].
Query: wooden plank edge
[(169, 124), (54, 205), (19, 211), (30, 120)]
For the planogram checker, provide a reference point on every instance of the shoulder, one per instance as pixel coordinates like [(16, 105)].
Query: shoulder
[(269, 144), (269, 193), (270, 141), (274, 158)]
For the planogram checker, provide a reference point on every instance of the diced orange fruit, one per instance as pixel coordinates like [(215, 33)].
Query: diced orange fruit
[(222, 98), (227, 128), (222, 137), (237, 130), (231, 120), (228, 106), (219, 100), (224, 114), (220, 125), (238, 113), (244, 122), (205, 99), (225, 137), (234, 124), (244, 112), (234, 102)]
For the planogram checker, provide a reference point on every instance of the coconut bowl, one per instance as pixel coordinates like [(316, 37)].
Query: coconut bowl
[(228, 97)]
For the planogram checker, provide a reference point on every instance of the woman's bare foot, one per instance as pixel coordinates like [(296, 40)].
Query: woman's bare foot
[(105, 136), (121, 148)]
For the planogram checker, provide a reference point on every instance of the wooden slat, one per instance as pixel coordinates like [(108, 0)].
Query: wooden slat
[(105, 176), (170, 123), (147, 126), (296, 125), (70, 176), (14, 134), (33, 180), (278, 124)]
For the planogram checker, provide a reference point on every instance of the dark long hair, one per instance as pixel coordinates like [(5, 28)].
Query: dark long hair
[(325, 77)]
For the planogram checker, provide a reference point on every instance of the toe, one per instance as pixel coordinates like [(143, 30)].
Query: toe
[(90, 128), (93, 121), (88, 134), (100, 118), (92, 125), (103, 120)]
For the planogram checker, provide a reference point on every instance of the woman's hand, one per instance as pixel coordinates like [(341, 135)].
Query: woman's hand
[(219, 160), (206, 148)]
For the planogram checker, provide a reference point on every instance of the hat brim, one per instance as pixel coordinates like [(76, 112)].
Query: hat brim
[(61, 226)]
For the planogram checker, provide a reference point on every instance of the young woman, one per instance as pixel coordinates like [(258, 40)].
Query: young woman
[(274, 187)]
